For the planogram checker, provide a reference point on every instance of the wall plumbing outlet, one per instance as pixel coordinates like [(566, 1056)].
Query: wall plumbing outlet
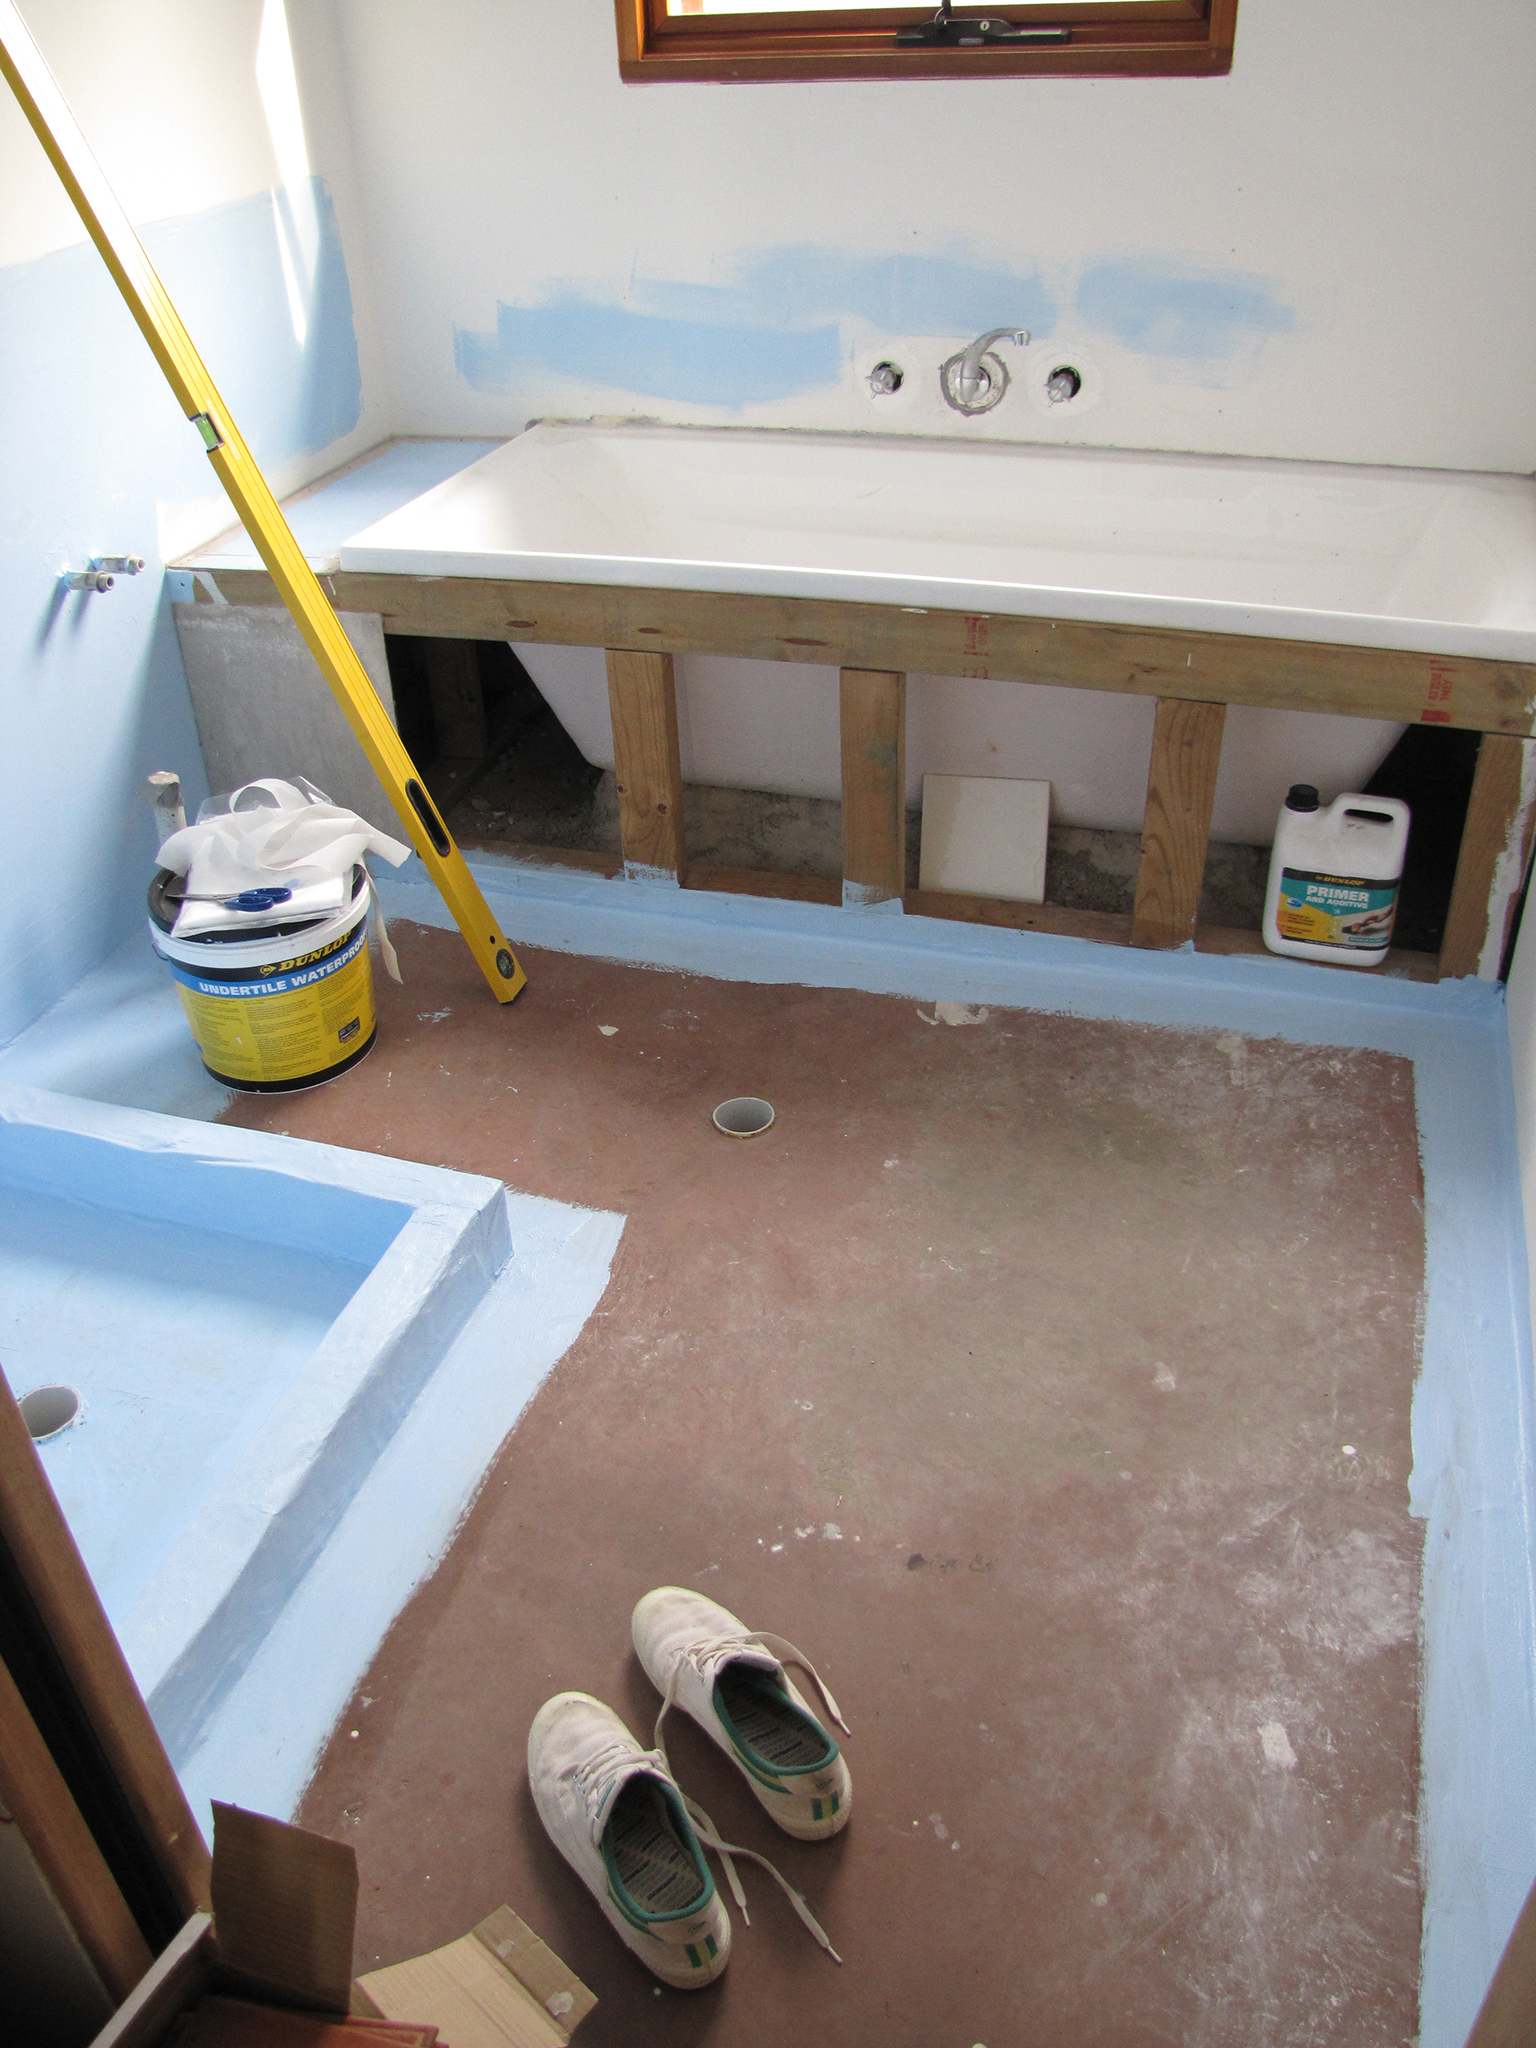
[(1064, 382), (101, 571), (886, 378), (976, 379)]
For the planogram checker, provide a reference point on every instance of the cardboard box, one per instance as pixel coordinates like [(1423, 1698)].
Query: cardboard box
[(498, 1987), (273, 1963)]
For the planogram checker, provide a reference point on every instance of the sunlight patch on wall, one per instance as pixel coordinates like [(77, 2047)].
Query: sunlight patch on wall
[(295, 219), (227, 271)]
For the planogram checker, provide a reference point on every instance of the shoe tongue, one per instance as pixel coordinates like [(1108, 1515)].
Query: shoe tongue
[(642, 1767), (753, 1658)]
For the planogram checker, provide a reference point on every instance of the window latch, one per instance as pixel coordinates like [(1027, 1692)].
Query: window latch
[(960, 31)]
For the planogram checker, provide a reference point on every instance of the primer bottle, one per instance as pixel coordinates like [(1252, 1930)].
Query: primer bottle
[(1333, 877)]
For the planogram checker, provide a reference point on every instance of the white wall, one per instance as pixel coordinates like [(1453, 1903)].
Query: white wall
[(1312, 258), (247, 213), (1321, 256)]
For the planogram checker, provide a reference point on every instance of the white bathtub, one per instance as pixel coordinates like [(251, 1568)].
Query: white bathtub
[(1418, 560)]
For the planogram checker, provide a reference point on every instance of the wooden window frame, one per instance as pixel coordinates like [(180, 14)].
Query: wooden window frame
[(1136, 38)]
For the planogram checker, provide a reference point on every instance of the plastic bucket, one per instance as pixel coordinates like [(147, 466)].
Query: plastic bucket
[(274, 1006)]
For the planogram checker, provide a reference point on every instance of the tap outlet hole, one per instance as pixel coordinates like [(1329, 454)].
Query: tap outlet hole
[(1063, 384), (886, 378)]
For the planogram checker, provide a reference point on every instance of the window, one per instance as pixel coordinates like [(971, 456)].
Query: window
[(778, 39)]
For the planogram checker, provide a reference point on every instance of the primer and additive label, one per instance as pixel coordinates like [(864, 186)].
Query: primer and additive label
[(1335, 910)]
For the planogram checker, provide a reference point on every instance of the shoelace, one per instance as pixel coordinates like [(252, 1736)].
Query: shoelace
[(701, 1654), (709, 1835), (596, 1777)]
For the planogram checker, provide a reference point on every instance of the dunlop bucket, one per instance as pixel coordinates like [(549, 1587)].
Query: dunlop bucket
[(273, 1006)]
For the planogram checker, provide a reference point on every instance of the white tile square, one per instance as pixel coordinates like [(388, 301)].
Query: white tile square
[(984, 835)]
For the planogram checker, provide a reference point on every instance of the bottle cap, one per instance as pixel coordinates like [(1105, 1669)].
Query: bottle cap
[(1301, 796)]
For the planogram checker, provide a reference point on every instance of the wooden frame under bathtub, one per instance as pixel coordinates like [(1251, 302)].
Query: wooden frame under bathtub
[(1193, 677)]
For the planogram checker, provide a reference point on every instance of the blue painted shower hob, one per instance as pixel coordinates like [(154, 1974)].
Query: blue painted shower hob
[(247, 1321)]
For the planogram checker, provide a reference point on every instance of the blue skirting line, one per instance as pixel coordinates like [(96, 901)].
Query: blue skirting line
[(1474, 1438)]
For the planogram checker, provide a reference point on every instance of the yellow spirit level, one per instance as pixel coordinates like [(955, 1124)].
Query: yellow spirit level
[(111, 230)]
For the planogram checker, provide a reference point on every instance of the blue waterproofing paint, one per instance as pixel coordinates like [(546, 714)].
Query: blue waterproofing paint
[(263, 1746), (776, 327), (699, 362), (773, 331), (90, 440), (224, 272), (115, 1038), (1474, 1443), (192, 1633), (1472, 1428), (1158, 309), (194, 1188), (335, 510), (391, 1261), (178, 1339), (278, 1441)]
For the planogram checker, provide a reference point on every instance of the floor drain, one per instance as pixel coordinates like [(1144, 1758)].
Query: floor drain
[(744, 1116), (47, 1410)]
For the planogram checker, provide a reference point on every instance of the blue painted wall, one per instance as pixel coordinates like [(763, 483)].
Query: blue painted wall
[(783, 326), (91, 440)]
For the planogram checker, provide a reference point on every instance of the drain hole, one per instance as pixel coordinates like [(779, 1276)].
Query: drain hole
[(47, 1410), (744, 1116)]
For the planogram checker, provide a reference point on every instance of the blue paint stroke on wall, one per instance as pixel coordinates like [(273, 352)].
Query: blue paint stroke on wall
[(705, 362), (774, 331), (777, 327), (1158, 310), (900, 294)]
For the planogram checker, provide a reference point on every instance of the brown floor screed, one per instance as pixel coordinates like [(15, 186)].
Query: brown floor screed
[(1048, 1383)]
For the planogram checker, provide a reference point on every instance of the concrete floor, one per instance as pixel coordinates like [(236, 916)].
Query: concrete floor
[(1048, 1382)]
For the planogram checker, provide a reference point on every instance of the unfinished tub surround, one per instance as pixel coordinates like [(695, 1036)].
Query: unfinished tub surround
[(819, 550)]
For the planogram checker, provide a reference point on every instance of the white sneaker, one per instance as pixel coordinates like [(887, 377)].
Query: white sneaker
[(614, 1812), (732, 1680)]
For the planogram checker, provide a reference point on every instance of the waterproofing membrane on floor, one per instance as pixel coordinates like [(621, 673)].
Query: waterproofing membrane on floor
[(1204, 1676), (536, 1597)]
